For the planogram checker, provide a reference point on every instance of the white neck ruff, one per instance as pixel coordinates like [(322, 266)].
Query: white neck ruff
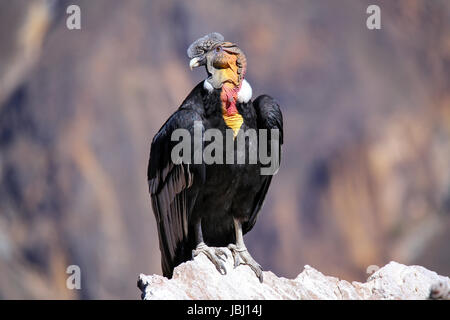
[(244, 94)]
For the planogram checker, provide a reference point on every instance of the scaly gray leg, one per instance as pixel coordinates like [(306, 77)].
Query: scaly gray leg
[(213, 254), (241, 254)]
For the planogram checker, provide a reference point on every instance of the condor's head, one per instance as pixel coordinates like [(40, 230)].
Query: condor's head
[(224, 61)]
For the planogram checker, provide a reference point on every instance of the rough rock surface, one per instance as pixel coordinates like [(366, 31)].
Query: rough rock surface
[(198, 279)]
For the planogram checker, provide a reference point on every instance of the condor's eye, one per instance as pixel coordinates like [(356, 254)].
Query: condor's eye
[(218, 49)]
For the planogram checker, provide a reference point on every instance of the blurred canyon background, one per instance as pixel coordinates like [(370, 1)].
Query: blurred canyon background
[(365, 177)]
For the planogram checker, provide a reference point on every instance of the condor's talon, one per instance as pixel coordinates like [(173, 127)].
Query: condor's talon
[(242, 256), (213, 254), (222, 270), (221, 254), (233, 248)]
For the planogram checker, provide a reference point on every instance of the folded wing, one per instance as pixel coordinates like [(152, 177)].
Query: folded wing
[(269, 117), (172, 191)]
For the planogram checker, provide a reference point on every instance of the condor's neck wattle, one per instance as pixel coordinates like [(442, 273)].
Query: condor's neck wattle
[(229, 96), (230, 113), (234, 89)]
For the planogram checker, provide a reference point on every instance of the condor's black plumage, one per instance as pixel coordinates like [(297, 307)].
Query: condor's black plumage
[(199, 206)]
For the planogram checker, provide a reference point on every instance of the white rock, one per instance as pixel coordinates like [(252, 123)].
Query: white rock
[(199, 279)]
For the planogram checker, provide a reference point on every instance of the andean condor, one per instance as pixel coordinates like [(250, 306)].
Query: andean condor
[(200, 207)]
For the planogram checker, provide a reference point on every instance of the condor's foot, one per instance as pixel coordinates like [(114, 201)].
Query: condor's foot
[(216, 255), (242, 256)]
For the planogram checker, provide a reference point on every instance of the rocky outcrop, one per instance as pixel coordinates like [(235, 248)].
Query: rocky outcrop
[(198, 279)]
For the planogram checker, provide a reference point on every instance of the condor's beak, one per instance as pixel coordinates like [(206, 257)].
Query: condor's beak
[(195, 62)]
